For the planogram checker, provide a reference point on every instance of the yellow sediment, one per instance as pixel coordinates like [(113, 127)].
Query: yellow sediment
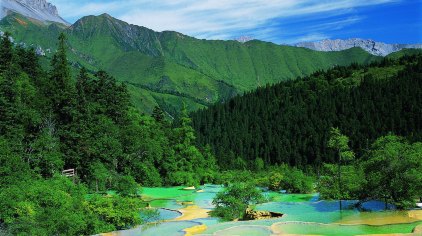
[(197, 229), (416, 214), (110, 234), (383, 219), (189, 188), (192, 212)]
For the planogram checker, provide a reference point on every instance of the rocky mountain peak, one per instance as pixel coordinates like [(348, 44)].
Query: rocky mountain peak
[(42, 5), (36, 9), (369, 45), (244, 39)]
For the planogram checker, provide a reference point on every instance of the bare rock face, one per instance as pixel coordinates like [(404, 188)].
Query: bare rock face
[(37, 9), (244, 39), (251, 214), (375, 48)]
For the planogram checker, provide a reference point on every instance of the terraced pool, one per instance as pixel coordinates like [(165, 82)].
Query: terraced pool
[(304, 214)]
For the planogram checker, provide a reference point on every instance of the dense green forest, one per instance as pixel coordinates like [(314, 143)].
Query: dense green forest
[(290, 121), (51, 121)]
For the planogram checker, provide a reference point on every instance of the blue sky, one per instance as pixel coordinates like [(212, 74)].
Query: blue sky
[(278, 21)]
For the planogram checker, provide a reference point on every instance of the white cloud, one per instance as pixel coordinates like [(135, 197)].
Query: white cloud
[(212, 18)]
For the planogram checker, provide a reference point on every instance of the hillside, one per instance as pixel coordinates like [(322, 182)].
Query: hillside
[(289, 122), (168, 68)]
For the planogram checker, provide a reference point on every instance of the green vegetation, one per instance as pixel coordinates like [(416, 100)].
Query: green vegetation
[(275, 178), (389, 171), (291, 180), (340, 143), (290, 122), (232, 202), (51, 121), (277, 137), (393, 170), (168, 69)]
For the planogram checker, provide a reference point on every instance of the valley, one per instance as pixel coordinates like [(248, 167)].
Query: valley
[(114, 129)]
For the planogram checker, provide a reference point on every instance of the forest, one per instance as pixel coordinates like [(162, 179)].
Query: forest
[(51, 121), (290, 122)]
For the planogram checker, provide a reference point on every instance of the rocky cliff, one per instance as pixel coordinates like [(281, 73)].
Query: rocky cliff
[(36, 9), (375, 48)]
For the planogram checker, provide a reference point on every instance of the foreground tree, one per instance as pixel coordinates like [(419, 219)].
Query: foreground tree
[(353, 180), (232, 202), (393, 170), (340, 143)]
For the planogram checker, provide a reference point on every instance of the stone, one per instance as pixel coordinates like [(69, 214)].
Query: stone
[(36, 9), (251, 214)]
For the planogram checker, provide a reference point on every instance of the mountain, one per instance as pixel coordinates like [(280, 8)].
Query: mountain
[(375, 48), (169, 68), (36, 9), (290, 122), (244, 39)]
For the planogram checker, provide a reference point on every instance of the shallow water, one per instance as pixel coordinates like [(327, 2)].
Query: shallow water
[(168, 214), (304, 214), (174, 228)]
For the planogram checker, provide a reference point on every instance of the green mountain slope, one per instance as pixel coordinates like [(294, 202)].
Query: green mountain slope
[(160, 65), (290, 121)]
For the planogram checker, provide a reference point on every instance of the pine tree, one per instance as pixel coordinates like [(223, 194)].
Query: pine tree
[(158, 114), (82, 90), (62, 89), (6, 52)]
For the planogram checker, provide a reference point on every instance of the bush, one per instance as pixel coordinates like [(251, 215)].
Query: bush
[(290, 179), (297, 182), (232, 202), (352, 181), (115, 213), (127, 186)]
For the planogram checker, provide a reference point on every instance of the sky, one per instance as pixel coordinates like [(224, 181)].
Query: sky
[(278, 21)]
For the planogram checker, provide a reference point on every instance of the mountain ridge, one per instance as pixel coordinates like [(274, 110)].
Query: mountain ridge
[(369, 45), (168, 68), (36, 9)]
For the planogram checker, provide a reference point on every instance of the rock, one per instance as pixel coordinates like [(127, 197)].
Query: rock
[(244, 39), (39, 51), (36, 9), (251, 214), (189, 188), (375, 48)]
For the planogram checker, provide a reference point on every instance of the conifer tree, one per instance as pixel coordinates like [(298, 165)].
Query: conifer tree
[(62, 89), (158, 114), (6, 52)]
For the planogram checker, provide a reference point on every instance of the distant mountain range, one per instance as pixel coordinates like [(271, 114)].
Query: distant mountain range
[(37, 9), (165, 68), (375, 48)]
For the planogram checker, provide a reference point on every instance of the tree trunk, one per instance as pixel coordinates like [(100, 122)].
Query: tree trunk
[(96, 184), (385, 201), (339, 180)]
